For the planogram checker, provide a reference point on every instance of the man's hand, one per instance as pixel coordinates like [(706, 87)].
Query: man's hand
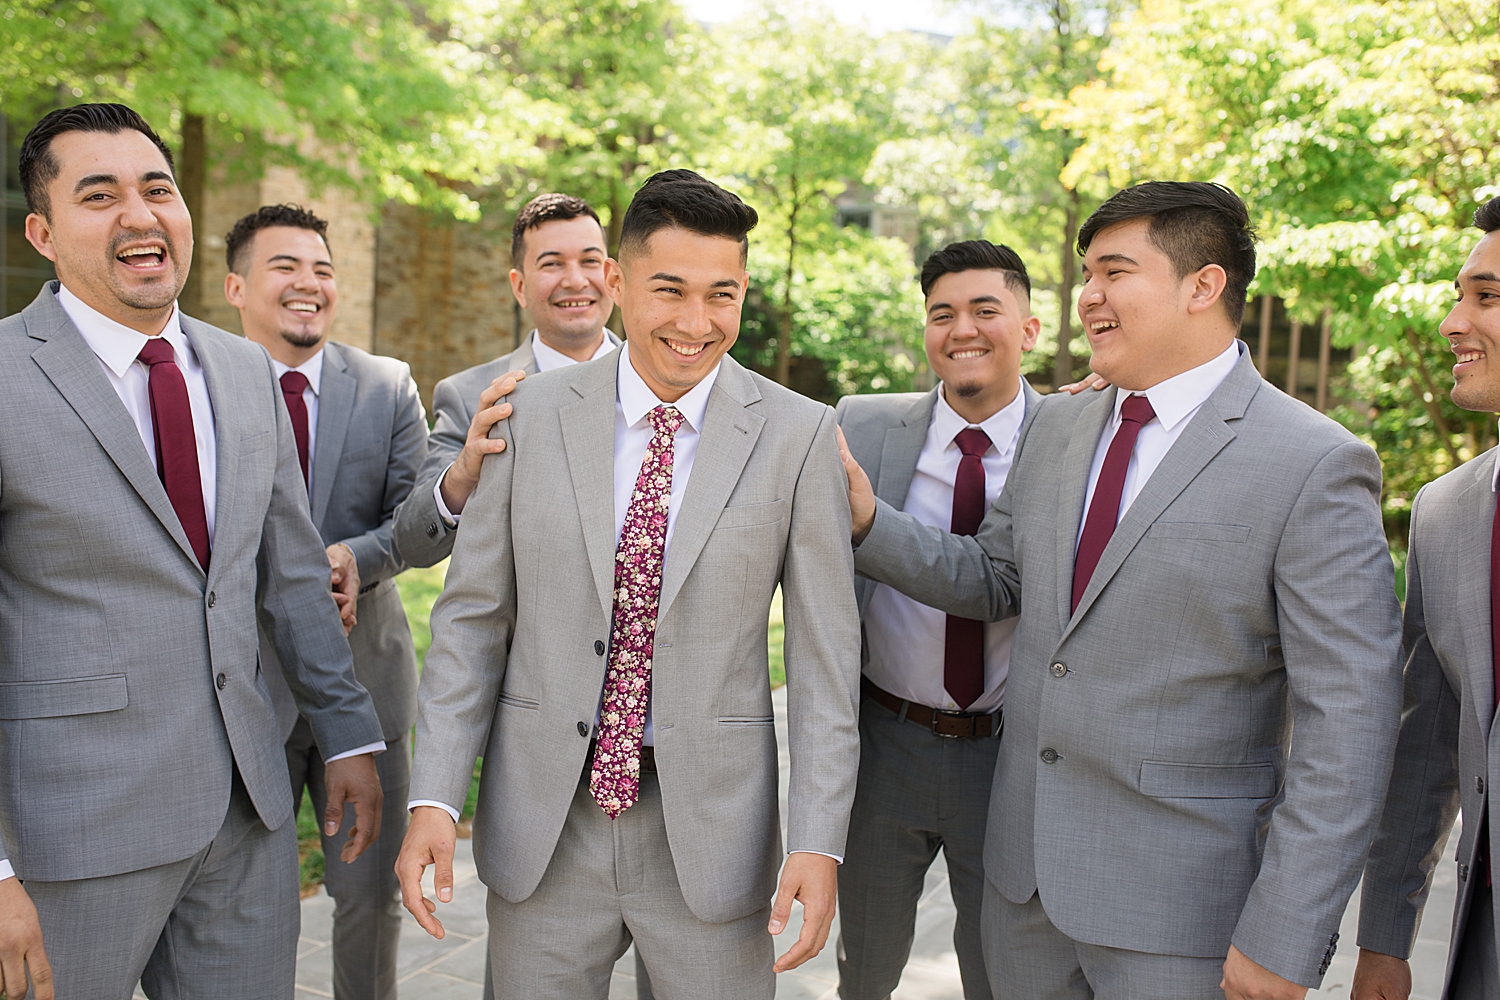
[(1380, 977), (463, 475), (429, 841), (813, 879), (1244, 980), (345, 582), (1093, 380), (21, 944), (353, 780), (861, 493)]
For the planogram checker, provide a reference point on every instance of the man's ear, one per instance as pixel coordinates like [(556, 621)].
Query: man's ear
[(1208, 288), (234, 289), (518, 287), (614, 279), (39, 235), (1030, 331)]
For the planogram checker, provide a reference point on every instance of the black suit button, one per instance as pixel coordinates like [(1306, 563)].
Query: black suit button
[(1050, 756), (583, 729), (1463, 873), (220, 681), (1479, 785), (598, 647), (212, 598), (432, 529)]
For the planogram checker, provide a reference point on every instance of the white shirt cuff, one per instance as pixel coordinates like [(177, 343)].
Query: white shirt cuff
[(6, 871), (367, 748), (826, 855), (449, 518), (432, 802)]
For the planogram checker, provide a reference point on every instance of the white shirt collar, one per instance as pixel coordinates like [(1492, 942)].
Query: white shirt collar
[(312, 368), (637, 399), (548, 358), (1177, 398), (1001, 426), (1495, 478), (116, 344)]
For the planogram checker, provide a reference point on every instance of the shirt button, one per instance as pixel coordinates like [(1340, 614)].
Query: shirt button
[(220, 681), (1479, 785), (583, 729), (432, 529), (1058, 669), (598, 647), (1050, 756), (212, 598)]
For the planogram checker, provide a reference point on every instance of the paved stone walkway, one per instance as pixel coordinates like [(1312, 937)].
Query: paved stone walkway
[(451, 969)]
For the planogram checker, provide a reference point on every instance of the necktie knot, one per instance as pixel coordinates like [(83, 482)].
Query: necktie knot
[(293, 382), (972, 441), (1137, 409), (666, 419), (157, 351)]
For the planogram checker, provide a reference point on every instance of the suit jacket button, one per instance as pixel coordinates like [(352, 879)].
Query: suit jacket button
[(1050, 756), (583, 729), (220, 681), (432, 529), (1479, 785), (212, 598), (1058, 669), (1463, 873), (598, 647)]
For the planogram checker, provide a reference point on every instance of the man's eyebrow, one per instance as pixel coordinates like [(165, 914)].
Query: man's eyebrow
[(1478, 276), (938, 305), (986, 298), (92, 179), (296, 260), (158, 175), (1117, 258), (725, 283), (664, 276), (559, 253)]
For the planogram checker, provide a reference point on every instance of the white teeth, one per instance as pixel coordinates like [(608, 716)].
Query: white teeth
[(142, 252), (696, 349), (973, 353), (1104, 324), (307, 307), (1466, 356)]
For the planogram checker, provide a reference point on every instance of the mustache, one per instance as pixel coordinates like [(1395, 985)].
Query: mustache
[(136, 236)]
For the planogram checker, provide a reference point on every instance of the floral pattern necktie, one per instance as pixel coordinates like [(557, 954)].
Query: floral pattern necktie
[(615, 780)]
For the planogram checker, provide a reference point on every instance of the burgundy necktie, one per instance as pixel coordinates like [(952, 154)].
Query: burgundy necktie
[(963, 651), (292, 384), (176, 444), (1104, 510)]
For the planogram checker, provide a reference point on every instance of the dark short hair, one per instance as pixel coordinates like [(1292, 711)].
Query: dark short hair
[(545, 208), (977, 255), (39, 167), (1487, 216), (1195, 224), (682, 199), (242, 235)]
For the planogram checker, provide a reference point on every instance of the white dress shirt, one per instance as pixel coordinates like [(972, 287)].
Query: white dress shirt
[(546, 360), (906, 640), (1175, 401), (312, 368)]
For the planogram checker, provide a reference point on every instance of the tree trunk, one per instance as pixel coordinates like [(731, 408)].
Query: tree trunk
[(784, 347), (192, 172), (1062, 370)]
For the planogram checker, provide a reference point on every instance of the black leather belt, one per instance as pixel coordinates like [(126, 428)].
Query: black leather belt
[(953, 725), (648, 758)]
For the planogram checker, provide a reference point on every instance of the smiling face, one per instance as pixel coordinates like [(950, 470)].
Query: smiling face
[(119, 232), (977, 329), (286, 295), (1144, 322), (1473, 329), (680, 296), (561, 283)]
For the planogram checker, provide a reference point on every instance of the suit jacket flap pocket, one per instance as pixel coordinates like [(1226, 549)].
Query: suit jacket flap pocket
[(69, 696), (1200, 531), (1208, 781), (744, 515)]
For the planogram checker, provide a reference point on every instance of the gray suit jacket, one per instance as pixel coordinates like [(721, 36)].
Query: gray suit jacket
[(519, 637), (372, 437), (885, 433), (129, 684), (1449, 754), (421, 533), (1149, 784)]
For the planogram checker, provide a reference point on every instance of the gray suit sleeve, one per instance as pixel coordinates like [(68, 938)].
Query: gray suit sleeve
[(1339, 628), (1423, 799), (822, 652), (297, 610), (375, 551), (421, 535), (473, 623)]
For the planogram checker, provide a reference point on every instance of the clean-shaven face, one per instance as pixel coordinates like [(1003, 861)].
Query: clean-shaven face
[(561, 280), (287, 290), (119, 232), (680, 297), (977, 328), (1473, 329)]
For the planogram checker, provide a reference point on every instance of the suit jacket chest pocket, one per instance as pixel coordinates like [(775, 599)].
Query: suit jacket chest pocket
[(750, 515)]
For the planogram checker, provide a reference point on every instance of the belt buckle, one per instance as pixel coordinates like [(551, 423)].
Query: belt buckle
[(938, 714)]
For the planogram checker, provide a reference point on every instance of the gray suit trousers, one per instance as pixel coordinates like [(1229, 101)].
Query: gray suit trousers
[(917, 792), (1476, 972), (222, 923), (367, 897), (610, 882)]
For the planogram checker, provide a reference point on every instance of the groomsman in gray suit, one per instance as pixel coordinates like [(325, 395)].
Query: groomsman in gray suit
[(152, 513), (1447, 757), (361, 435), (1205, 683), (930, 718), (557, 246), (602, 642)]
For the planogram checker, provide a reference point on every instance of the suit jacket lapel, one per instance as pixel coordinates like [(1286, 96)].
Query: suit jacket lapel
[(335, 407), (1073, 488), (227, 432), (588, 431), (72, 366), (902, 448), (1478, 504), (730, 431)]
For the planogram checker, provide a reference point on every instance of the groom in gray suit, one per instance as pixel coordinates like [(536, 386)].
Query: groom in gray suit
[(361, 435), (151, 515), (1446, 758), (930, 718), (1198, 564), (602, 642)]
